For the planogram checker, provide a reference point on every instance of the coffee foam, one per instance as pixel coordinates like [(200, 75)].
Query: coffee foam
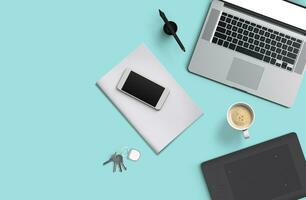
[(240, 116)]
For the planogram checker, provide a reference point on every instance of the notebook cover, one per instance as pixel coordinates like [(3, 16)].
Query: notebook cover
[(161, 127)]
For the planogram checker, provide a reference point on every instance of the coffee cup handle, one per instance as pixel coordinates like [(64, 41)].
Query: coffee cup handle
[(246, 134)]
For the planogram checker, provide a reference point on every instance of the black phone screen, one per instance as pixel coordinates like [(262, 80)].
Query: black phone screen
[(143, 89)]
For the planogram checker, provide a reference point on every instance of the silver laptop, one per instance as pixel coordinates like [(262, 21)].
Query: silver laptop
[(257, 46)]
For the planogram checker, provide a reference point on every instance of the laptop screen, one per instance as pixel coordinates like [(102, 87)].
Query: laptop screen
[(277, 9)]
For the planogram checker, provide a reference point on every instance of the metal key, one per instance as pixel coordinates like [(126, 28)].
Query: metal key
[(114, 166), (116, 162), (120, 159), (111, 159)]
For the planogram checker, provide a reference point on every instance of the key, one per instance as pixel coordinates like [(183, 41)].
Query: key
[(120, 159), (118, 162), (111, 159), (115, 162), (120, 167)]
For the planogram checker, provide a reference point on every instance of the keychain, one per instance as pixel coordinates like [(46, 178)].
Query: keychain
[(130, 153), (117, 158)]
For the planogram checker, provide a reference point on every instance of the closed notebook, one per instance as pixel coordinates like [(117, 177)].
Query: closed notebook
[(161, 127)]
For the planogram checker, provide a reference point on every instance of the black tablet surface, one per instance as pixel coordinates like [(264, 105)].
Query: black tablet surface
[(273, 170)]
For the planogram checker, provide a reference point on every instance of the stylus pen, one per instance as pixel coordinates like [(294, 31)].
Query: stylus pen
[(163, 16)]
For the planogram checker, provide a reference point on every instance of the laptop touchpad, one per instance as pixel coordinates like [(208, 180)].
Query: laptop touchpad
[(245, 73)]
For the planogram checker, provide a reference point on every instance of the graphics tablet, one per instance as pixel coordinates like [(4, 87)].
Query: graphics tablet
[(272, 170)]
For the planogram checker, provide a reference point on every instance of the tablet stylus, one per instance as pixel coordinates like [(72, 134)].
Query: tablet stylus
[(168, 25)]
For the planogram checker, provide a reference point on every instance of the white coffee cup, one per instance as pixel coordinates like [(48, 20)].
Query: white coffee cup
[(241, 116)]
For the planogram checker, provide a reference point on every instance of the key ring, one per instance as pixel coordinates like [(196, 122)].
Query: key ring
[(123, 151), (130, 153)]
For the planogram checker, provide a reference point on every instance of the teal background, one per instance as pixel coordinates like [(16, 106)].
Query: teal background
[(57, 128)]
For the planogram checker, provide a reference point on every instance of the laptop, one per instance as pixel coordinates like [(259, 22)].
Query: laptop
[(256, 46), (272, 170)]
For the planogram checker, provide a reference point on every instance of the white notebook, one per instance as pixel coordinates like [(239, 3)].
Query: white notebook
[(161, 127)]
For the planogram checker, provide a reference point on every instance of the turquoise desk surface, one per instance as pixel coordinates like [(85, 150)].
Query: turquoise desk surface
[(57, 127)]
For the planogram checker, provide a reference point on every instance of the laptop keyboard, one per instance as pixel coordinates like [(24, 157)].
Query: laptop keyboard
[(257, 41)]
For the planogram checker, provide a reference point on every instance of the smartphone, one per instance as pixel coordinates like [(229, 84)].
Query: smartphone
[(143, 89)]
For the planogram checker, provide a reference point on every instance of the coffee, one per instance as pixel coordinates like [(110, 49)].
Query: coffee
[(240, 116)]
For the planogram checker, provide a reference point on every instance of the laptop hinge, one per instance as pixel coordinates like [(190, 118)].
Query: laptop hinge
[(268, 19)]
